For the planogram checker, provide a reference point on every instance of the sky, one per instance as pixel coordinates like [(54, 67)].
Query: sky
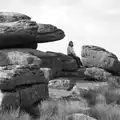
[(85, 22)]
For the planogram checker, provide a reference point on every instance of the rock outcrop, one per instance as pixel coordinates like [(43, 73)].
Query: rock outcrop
[(17, 32), (23, 69), (12, 16), (93, 56), (22, 85), (97, 74), (68, 63)]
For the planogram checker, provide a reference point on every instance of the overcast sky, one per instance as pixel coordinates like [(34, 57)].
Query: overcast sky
[(85, 22)]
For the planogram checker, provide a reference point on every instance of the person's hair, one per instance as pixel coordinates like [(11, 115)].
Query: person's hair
[(70, 43)]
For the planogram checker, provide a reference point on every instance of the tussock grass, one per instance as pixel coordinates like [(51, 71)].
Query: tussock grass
[(59, 109), (103, 103), (105, 112)]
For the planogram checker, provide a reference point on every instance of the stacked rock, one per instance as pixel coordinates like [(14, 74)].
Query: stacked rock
[(100, 64), (22, 83), (69, 67)]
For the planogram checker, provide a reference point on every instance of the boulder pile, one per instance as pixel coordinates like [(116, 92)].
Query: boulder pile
[(99, 64), (22, 82)]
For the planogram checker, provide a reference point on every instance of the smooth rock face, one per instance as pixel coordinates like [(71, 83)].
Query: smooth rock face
[(93, 56), (26, 31), (97, 74), (12, 16)]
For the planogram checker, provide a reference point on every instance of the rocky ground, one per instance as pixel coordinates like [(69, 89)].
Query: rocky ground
[(77, 103)]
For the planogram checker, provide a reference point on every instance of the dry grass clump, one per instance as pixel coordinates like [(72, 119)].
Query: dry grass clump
[(60, 109), (108, 93), (105, 112), (103, 103)]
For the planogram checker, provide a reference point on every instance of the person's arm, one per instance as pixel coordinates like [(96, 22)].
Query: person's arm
[(71, 51)]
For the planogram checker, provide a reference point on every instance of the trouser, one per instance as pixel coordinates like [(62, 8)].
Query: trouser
[(78, 61)]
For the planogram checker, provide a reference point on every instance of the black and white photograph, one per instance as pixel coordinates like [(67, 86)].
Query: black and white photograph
[(59, 60)]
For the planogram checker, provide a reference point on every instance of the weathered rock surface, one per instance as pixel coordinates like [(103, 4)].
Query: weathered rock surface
[(59, 83), (12, 16), (16, 57), (11, 78), (26, 31), (68, 63), (42, 59), (49, 60), (93, 56), (97, 74), (34, 94), (22, 84), (48, 33), (22, 88)]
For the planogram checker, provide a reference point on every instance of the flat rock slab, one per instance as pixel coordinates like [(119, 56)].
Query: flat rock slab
[(23, 32), (68, 63), (49, 60), (14, 77), (12, 16), (58, 93)]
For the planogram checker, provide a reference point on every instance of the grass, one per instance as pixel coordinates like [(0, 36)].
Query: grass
[(105, 112), (49, 110), (104, 103), (58, 110)]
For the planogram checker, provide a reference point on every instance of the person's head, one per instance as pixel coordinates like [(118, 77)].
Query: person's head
[(71, 43)]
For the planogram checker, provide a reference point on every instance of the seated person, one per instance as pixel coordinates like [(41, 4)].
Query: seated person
[(71, 52)]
